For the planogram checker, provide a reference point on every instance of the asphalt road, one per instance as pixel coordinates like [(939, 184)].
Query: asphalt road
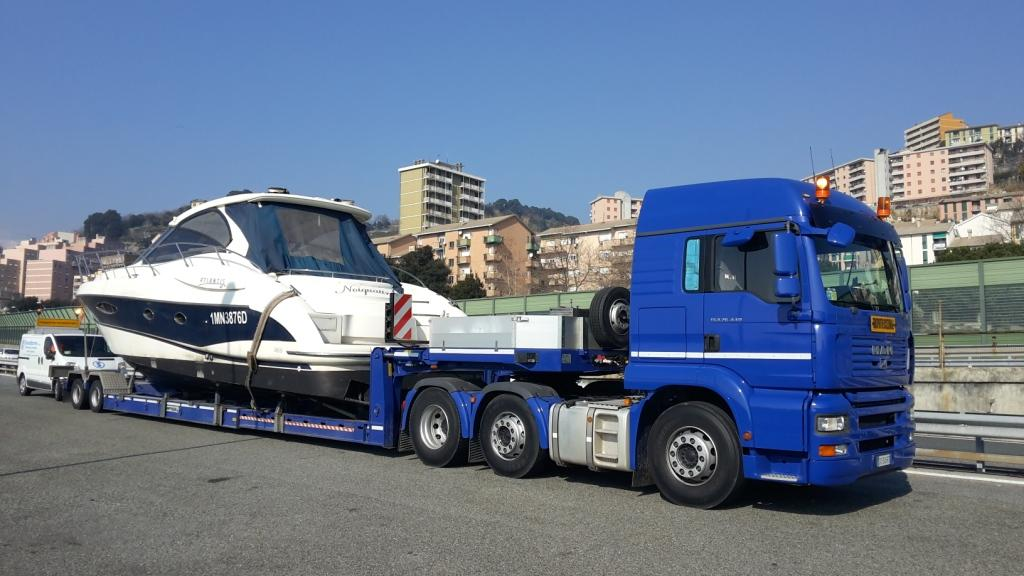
[(82, 493)]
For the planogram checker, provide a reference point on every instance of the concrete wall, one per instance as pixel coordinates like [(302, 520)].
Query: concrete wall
[(981, 390)]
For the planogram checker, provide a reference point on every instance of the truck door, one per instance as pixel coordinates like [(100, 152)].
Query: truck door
[(46, 359), (746, 327), (666, 299)]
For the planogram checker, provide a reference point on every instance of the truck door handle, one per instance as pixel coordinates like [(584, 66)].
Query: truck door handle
[(712, 342)]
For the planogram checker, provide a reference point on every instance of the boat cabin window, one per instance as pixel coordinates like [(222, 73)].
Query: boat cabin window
[(201, 233), (296, 239)]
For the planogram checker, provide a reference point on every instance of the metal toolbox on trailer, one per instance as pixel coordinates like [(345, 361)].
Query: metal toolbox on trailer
[(511, 332)]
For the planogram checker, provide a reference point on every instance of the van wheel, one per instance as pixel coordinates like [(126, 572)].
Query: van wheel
[(694, 455), (509, 437), (23, 388), (58, 390), (436, 429), (96, 396), (79, 398), (609, 317)]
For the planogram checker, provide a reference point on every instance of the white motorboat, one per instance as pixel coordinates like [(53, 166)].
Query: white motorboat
[(296, 274)]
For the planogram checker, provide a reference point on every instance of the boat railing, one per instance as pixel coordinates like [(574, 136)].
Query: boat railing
[(90, 263), (335, 274)]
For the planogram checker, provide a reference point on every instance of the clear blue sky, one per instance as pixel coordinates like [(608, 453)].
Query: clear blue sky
[(142, 106)]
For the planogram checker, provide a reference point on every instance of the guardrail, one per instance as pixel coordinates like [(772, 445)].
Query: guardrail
[(8, 367), (984, 439), (969, 357)]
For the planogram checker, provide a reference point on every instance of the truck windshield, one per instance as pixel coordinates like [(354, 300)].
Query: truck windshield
[(862, 274), (73, 346)]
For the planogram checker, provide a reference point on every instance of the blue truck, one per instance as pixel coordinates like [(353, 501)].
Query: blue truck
[(766, 336)]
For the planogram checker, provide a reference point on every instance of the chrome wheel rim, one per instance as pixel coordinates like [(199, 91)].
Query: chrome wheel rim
[(434, 427), (508, 436), (692, 455), (618, 316), (76, 394), (22, 385), (96, 396)]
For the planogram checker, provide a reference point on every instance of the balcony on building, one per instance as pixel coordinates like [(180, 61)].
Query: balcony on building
[(463, 260), (491, 257), (463, 243), (493, 239), (532, 246)]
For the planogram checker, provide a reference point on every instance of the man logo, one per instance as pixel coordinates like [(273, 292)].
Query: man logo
[(882, 349)]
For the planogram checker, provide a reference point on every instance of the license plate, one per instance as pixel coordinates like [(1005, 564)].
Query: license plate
[(883, 460)]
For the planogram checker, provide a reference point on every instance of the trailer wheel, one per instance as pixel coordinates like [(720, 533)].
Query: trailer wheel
[(694, 455), (436, 429), (79, 398), (96, 396), (509, 437), (23, 388), (609, 317), (58, 390)]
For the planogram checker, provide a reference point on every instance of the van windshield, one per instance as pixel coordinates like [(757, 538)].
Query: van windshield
[(862, 274), (74, 345)]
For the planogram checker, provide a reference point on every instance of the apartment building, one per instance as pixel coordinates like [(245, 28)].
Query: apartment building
[(46, 268), (931, 133), (940, 174), (922, 239), (1012, 134), (585, 256), (1007, 205), (856, 178), (437, 193), (498, 250), (49, 280), (618, 206), (989, 134)]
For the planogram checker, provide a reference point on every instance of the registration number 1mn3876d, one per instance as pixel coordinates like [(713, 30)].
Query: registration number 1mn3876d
[(883, 460), (229, 317)]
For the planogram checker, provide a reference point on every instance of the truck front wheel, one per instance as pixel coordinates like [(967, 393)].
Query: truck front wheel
[(79, 398), (509, 437), (23, 388), (58, 390), (436, 429), (694, 455)]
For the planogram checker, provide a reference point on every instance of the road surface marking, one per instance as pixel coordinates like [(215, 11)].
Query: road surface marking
[(975, 477)]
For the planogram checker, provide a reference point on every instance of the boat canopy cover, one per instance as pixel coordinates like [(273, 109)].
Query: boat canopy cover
[(295, 238)]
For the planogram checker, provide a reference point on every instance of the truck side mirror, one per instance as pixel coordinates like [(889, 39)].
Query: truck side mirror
[(738, 237), (840, 234), (787, 266), (50, 353)]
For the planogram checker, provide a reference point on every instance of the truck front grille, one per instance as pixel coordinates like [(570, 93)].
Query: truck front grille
[(871, 357)]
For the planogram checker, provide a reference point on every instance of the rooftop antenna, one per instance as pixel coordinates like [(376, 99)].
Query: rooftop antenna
[(813, 173), (833, 162)]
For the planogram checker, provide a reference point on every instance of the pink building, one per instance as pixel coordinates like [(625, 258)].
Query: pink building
[(618, 206), (45, 269)]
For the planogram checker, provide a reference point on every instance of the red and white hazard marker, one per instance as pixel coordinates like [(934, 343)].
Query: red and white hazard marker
[(405, 325)]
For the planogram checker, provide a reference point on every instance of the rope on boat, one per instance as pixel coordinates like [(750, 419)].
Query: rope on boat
[(257, 339)]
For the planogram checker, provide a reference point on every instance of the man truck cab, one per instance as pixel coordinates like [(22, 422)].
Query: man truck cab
[(43, 351)]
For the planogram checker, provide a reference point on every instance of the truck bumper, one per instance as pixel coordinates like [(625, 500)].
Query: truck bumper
[(878, 437)]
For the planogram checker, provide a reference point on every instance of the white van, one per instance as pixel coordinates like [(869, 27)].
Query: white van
[(40, 350)]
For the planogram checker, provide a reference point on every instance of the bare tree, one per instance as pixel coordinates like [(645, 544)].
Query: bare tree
[(566, 267), (506, 274)]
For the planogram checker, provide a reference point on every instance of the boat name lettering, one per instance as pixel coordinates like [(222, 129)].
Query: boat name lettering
[(229, 317), (365, 291)]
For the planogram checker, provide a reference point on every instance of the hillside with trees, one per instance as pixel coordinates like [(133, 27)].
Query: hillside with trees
[(536, 218)]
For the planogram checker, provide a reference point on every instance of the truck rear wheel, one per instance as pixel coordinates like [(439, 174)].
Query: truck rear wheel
[(96, 396), (694, 455), (79, 398), (509, 437), (23, 388), (436, 429)]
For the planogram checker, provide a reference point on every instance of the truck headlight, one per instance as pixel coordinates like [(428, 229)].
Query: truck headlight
[(830, 423)]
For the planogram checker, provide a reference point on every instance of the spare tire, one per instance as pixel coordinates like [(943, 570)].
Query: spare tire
[(609, 317)]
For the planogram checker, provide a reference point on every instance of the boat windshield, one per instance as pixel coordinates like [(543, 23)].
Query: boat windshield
[(863, 274), (295, 239)]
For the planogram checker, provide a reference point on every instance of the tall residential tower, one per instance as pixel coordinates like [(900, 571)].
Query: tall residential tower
[(437, 193)]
